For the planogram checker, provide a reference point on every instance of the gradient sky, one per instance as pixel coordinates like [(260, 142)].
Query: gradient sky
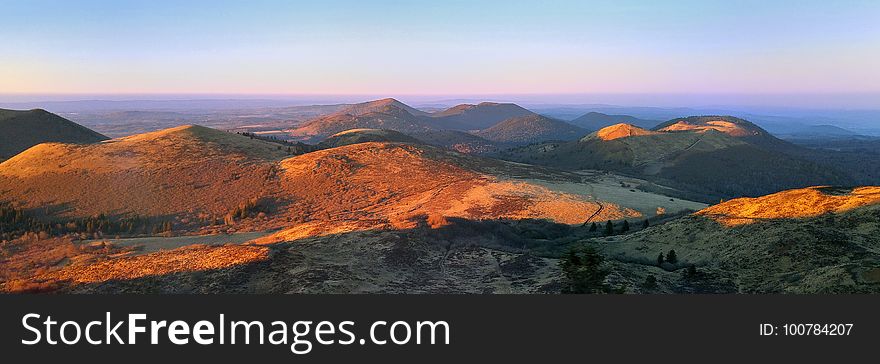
[(439, 47)]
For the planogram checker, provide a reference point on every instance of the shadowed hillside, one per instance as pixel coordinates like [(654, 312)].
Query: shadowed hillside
[(20, 130), (356, 136), (459, 141), (815, 240), (833, 249), (531, 129), (387, 116), (593, 121), (476, 117), (716, 160)]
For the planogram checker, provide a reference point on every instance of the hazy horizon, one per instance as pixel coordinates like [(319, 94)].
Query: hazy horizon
[(860, 101), (759, 51)]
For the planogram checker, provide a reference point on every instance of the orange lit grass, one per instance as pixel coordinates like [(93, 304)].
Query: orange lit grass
[(186, 259), (792, 204)]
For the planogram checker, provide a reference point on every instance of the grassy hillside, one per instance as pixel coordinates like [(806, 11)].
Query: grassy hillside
[(593, 121), (356, 136), (816, 240), (707, 162), (388, 117), (185, 171), (476, 117), (531, 129), (459, 141)]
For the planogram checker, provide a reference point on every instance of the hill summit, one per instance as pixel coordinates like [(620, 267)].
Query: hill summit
[(530, 129), (618, 131), (380, 105), (480, 116), (729, 125)]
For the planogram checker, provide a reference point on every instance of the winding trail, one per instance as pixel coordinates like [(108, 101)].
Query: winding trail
[(594, 214), (593, 195)]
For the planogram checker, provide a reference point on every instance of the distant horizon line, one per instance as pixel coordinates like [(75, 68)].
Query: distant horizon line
[(800, 100)]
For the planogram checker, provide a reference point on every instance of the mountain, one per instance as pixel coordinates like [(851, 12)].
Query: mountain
[(820, 132), (20, 130), (810, 240), (729, 125), (595, 120), (619, 131), (378, 106), (189, 171), (475, 117), (712, 160), (460, 141), (531, 129), (388, 116), (355, 136)]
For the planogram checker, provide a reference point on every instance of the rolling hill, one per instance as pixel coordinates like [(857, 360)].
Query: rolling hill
[(386, 116), (355, 136), (530, 129), (459, 141), (476, 117), (713, 160), (593, 121), (729, 125), (184, 171), (20, 130), (812, 240), (406, 205), (377, 106)]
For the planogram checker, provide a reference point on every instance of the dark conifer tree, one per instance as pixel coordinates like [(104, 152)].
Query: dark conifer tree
[(671, 257)]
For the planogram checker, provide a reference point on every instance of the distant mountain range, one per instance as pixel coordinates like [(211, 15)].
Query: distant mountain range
[(593, 121), (495, 122)]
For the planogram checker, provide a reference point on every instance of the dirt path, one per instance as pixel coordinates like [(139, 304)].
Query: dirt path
[(594, 214), (596, 200), (692, 145), (658, 161)]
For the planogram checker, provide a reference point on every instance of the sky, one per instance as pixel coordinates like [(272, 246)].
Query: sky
[(399, 48)]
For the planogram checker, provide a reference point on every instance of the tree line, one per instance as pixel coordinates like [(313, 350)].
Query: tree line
[(17, 222)]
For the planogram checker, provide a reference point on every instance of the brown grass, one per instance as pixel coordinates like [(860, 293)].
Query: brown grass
[(791, 204), (618, 131), (23, 259), (725, 127), (185, 171), (186, 259)]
